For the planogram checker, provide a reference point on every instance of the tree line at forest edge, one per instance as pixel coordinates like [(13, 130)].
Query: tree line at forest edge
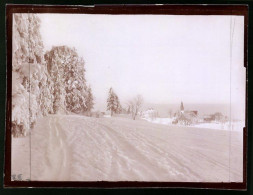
[(44, 82), (50, 82)]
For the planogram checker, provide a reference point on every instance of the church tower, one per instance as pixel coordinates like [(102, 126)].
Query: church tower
[(182, 107)]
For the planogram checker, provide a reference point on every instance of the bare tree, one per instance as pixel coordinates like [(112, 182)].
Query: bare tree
[(135, 105)]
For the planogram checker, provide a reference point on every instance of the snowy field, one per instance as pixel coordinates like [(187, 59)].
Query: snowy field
[(78, 148), (235, 126)]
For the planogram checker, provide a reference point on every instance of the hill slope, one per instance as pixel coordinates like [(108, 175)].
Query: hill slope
[(78, 148)]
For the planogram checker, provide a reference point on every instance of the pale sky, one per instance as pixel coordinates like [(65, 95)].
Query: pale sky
[(165, 58)]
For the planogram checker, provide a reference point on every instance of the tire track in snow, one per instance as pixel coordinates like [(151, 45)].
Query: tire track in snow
[(147, 168), (90, 149), (172, 158), (175, 169), (186, 157), (109, 149), (64, 168), (104, 145), (57, 162)]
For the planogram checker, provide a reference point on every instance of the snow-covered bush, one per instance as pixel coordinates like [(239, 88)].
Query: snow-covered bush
[(28, 73)]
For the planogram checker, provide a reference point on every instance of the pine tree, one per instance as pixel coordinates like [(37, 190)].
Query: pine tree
[(118, 108), (89, 100), (111, 101)]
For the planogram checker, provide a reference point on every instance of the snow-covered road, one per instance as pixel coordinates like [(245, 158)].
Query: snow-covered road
[(57, 152), (78, 148)]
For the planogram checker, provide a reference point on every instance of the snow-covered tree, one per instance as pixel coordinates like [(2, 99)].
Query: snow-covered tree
[(110, 101), (29, 74), (42, 84), (118, 107), (135, 105), (75, 84), (56, 71), (113, 103), (46, 95), (68, 74), (89, 99)]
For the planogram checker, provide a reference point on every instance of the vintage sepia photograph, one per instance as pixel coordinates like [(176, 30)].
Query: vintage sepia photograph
[(144, 98)]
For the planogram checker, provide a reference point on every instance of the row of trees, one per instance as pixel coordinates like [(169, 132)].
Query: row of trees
[(44, 83), (50, 82), (114, 106)]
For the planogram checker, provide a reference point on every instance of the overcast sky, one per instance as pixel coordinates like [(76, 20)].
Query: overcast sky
[(165, 58)]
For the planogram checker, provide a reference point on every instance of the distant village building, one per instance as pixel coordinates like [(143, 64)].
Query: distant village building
[(191, 117), (218, 117), (208, 118), (187, 117), (191, 113), (150, 113)]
